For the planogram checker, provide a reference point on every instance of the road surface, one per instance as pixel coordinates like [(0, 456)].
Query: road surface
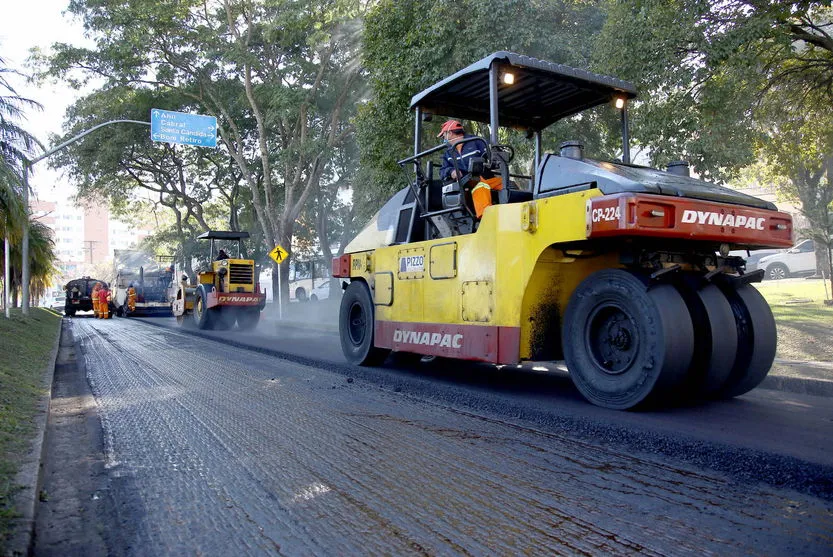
[(212, 449)]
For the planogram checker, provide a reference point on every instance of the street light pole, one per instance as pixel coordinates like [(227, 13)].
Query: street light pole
[(27, 164), (25, 247), (6, 274)]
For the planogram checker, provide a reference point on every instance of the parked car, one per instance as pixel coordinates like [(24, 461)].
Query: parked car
[(58, 303), (320, 292), (754, 257), (797, 261)]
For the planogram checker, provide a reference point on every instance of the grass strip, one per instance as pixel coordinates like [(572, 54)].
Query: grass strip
[(798, 301), (805, 323), (26, 345)]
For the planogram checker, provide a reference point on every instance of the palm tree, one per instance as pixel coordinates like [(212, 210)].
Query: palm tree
[(42, 261), (15, 146), (15, 142)]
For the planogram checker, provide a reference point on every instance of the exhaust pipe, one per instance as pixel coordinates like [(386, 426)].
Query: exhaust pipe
[(573, 149), (678, 168)]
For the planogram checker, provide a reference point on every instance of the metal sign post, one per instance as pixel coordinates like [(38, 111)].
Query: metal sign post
[(279, 255)]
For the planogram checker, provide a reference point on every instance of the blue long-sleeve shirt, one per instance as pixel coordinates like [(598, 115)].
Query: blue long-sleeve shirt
[(469, 149)]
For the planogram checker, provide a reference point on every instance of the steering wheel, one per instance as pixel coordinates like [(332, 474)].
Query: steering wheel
[(506, 149)]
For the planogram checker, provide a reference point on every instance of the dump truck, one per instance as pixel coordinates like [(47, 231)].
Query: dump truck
[(150, 279), (225, 293), (620, 270), (78, 295)]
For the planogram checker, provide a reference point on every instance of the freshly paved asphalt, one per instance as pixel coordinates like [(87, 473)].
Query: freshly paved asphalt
[(214, 449)]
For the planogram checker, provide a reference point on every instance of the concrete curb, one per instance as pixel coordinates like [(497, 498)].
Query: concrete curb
[(29, 476), (799, 385)]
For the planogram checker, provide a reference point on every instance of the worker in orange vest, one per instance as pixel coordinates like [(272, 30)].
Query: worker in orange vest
[(104, 303), (94, 296), (455, 164), (131, 298)]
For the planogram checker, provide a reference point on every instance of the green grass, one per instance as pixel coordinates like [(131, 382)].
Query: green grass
[(804, 322), (25, 348), (798, 301)]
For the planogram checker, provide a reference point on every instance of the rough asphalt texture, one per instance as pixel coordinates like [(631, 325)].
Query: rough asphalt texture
[(213, 450)]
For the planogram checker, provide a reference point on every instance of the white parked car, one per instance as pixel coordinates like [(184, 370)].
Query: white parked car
[(796, 261), (320, 292), (754, 257)]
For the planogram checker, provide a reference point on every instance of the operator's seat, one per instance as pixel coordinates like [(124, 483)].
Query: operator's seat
[(513, 194)]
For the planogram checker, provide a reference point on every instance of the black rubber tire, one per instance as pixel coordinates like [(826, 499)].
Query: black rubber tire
[(757, 340), (626, 344), (203, 317), (69, 313), (356, 327), (224, 318), (715, 340), (300, 295), (247, 319), (313, 298), (777, 271)]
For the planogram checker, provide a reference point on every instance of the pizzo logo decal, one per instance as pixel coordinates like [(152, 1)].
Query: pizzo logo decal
[(412, 264)]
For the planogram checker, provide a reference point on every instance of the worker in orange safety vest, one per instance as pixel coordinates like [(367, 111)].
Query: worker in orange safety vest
[(94, 296), (131, 298), (455, 165), (104, 303)]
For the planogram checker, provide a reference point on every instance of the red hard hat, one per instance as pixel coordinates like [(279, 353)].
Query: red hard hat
[(450, 126)]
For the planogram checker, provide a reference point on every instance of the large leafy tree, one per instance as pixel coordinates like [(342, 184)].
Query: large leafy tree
[(126, 168), (798, 150), (411, 44), (291, 65), (727, 83)]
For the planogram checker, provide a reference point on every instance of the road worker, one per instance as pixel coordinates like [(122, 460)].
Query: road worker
[(104, 303), (455, 165), (131, 298), (94, 296)]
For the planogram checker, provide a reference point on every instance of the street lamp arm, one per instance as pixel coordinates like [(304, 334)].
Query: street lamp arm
[(25, 243), (82, 134)]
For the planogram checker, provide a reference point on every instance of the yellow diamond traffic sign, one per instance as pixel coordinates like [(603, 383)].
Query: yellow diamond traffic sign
[(278, 254)]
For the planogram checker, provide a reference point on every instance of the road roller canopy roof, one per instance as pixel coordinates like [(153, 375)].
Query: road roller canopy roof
[(223, 235), (532, 93)]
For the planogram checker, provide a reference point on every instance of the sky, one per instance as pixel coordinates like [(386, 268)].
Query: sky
[(39, 23)]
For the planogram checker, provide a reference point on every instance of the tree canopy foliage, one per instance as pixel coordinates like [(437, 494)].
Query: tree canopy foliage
[(312, 96), (281, 76), (411, 44), (726, 84)]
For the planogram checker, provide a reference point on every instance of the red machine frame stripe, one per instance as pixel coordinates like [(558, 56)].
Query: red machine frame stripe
[(243, 299), (631, 214), (486, 343)]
